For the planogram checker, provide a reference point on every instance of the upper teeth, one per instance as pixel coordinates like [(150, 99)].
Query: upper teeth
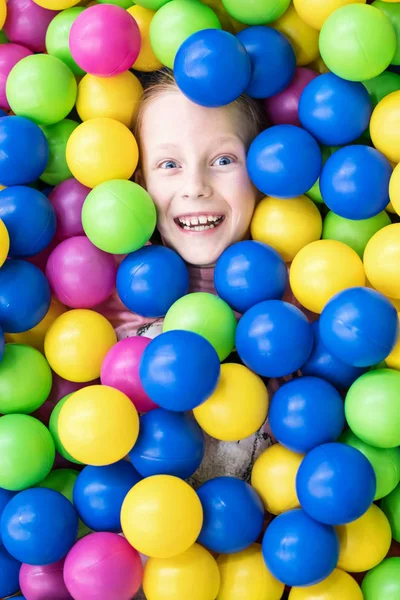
[(200, 220)]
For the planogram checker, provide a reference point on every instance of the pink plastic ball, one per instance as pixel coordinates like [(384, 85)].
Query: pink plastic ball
[(42, 583), (67, 199), (10, 55), (80, 274), (105, 40), (283, 109), (103, 565), (120, 370), (27, 24)]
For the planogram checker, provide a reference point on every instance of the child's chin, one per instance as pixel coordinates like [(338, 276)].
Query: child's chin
[(198, 257)]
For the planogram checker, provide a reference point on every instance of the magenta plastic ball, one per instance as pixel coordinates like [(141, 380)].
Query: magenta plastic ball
[(27, 24), (103, 565), (67, 199), (120, 370), (42, 583), (105, 40), (81, 275), (283, 109), (10, 55)]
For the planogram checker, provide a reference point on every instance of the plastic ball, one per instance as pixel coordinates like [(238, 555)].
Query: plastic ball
[(57, 135), (76, 344), (161, 516), (27, 23), (314, 549), (67, 199), (9, 573), (152, 4), (315, 13), (57, 37), (103, 564), (286, 225), (207, 315), (389, 505), (275, 165), (381, 86), (237, 275), (5, 497), (303, 38), (4, 243), (30, 220), (393, 359), (338, 585), (393, 14), (355, 234), (10, 55), (42, 88), (258, 12), (80, 275), (147, 60), (357, 42), (53, 427), (282, 109), (151, 279), (223, 415), (274, 338), (381, 261), (384, 126), (24, 151), (193, 573), (383, 581), (335, 484), (85, 423), (394, 189), (114, 97), (39, 581), (202, 77), (101, 149)]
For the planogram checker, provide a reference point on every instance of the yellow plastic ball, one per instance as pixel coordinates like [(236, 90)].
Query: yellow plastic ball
[(193, 574), (319, 66), (3, 13), (4, 243), (147, 60), (274, 478), (225, 416), (382, 261), (56, 4), (244, 576), (286, 225), (393, 360), (303, 38), (315, 12), (390, 209), (321, 270), (338, 586), (394, 190), (98, 425), (76, 343), (161, 516), (384, 126), (101, 149), (365, 542), (112, 97)]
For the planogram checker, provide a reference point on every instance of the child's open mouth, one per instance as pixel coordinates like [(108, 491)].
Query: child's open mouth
[(200, 222)]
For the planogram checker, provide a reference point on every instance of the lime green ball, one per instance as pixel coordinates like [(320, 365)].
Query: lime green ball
[(57, 136), (42, 88), (392, 11), (25, 379), (119, 216), (391, 507), (122, 3), (357, 42), (383, 581), (53, 426), (206, 315), (152, 4), (26, 452), (57, 37), (314, 193), (381, 86), (174, 22), (256, 12), (355, 234), (3, 37), (372, 408), (384, 461)]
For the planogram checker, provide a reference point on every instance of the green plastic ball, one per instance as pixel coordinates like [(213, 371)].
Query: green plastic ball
[(256, 12), (392, 11), (57, 37), (174, 22), (119, 216), (26, 452), (381, 86), (355, 234), (314, 193), (57, 136), (53, 426), (206, 315), (383, 581), (372, 408), (122, 3), (42, 88), (357, 42), (25, 379), (3, 37), (152, 4), (391, 507)]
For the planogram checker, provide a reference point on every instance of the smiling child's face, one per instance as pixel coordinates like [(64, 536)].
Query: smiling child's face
[(193, 162)]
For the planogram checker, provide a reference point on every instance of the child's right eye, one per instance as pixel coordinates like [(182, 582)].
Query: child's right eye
[(168, 164)]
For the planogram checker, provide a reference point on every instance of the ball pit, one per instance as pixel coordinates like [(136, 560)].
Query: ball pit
[(39, 582), (57, 37)]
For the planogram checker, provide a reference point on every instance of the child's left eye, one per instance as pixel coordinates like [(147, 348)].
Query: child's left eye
[(168, 164), (221, 161)]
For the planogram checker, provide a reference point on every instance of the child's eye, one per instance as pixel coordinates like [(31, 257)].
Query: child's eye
[(168, 164), (221, 161)]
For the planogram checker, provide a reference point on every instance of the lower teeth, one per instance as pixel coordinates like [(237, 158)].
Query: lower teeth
[(198, 227)]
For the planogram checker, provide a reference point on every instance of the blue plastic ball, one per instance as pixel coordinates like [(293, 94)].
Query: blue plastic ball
[(99, 493), (355, 182), (250, 272), (298, 551), (5, 497), (24, 151), (305, 413), (273, 61), (3, 113), (333, 110), (360, 326), (169, 443), (179, 370), (30, 220), (151, 279), (335, 484), (233, 515), (39, 526), (24, 296), (274, 338), (9, 574), (212, 68), (284, 161)]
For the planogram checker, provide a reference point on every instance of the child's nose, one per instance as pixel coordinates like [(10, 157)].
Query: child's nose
[(195, 187)]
